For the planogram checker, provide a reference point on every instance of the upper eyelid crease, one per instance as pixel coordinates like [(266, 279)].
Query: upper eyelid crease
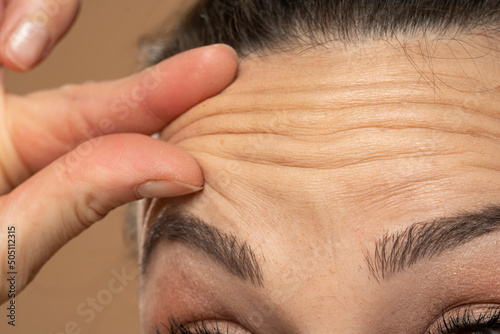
[(234, 255), (401, 250)]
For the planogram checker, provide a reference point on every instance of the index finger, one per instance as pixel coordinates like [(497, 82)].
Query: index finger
[(51, 123)]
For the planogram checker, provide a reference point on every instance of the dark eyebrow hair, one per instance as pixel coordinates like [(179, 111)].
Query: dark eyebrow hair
[(226, 249), (396, 252)]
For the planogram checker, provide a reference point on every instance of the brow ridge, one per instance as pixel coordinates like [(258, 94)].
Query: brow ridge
[(228, 250), (398, 251)]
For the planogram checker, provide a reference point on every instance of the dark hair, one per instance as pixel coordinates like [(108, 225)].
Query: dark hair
[(259, 25)]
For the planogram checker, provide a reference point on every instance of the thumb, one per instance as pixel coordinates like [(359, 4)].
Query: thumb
[(68, 196)]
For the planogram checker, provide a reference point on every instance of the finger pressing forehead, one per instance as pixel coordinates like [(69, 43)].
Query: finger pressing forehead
[(48, 124)]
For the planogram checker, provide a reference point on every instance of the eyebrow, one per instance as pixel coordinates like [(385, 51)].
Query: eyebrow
[(234, 255), (399, 251)]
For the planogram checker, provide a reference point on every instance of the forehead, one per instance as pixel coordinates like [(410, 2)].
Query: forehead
[(372, 127), (310, 157)]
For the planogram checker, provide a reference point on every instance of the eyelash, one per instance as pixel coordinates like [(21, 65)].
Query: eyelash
[(468, 321), (460, 322), (199, 327)]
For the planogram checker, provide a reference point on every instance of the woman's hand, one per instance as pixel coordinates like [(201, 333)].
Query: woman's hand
[(29, 29), (71, 155)]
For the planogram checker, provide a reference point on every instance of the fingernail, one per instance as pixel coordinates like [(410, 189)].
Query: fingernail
[(165, 189), (27, 44)]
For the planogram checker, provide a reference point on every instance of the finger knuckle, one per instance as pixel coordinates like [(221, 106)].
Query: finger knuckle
[(90, 210)]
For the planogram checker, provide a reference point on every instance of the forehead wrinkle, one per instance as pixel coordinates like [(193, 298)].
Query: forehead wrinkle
[(351, 148), (259, 185), (326, 108), (273, 130), (340, 79), (265, 189), (330, 114)]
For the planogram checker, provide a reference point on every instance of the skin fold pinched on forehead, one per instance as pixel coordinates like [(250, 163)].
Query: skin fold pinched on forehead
[(311, 158), (391, 117)]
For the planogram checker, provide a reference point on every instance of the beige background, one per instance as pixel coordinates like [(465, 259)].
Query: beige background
[(101, 46)]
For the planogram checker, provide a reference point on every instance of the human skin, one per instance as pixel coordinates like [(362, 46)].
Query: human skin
[(71, 155), (311, 156), (68, 156), (30, 29)]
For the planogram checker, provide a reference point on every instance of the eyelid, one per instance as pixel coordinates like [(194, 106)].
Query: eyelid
[(214, 326), (468, 317)]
